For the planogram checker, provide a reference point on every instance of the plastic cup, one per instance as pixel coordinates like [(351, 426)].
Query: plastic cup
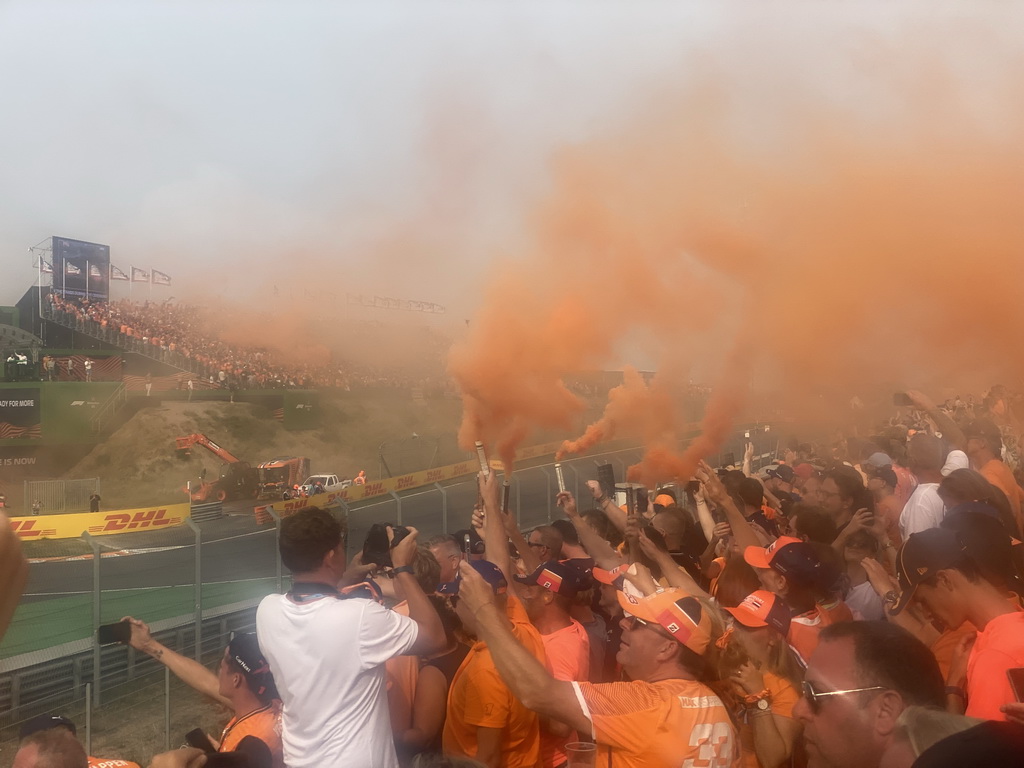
[(581, 754)]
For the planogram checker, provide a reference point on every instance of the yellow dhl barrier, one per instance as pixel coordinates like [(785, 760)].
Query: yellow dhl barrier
[(396, 484), (99, 523)]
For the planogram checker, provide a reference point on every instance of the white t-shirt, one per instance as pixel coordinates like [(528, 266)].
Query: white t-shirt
[(327, 656), (924, 510), (865, 603)]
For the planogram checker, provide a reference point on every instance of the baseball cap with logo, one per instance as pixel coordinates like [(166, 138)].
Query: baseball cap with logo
[(559, 577), (922, 556), (245, 651), (985, 429), (609, 577), (762, 609), (784, 472), (680, 614), (491, 574), (45, 723), (794, 559)]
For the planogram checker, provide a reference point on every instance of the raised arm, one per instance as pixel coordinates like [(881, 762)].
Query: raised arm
[(189, 671), (715, 491), (607, 505), (599, 549), (13, 573), (951, 433), (495, 538), (526, 677), (431, 638)]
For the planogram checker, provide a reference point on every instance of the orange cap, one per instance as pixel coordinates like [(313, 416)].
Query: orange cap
[(682, 615)]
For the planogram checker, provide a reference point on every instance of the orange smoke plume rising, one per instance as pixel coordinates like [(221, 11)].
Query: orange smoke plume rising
[(856, 231), (634, 410)]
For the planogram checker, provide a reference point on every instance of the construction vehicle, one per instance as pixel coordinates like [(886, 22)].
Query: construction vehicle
[(238, 480), (279, 477)]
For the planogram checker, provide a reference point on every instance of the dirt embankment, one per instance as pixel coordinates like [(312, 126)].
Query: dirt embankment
[(138, 465)]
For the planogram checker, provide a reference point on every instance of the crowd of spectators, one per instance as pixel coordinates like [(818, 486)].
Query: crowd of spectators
[(187, 336), (854, 605)]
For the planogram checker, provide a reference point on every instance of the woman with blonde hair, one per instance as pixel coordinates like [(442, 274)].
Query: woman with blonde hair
[(759, 666)]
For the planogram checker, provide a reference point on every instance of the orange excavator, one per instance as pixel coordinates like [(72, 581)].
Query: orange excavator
[(237, 479)]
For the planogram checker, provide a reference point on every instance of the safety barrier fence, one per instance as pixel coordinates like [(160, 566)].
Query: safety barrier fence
[(194, 589)]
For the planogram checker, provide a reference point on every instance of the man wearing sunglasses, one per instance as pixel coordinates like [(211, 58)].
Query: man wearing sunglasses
[(664, 717), (860, 678)]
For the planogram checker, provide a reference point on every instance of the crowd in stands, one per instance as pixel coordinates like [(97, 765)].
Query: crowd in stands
[(854, 605), (187, 336)]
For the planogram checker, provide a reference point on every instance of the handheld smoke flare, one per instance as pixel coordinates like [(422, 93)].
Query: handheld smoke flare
[(560, 476), (481, 455), (506, 491)]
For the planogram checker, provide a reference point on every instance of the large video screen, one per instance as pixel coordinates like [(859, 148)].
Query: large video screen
[(81, 268), (19, 414)]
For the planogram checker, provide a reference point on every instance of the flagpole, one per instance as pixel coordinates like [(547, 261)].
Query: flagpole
[(87, 280), (131, 279)]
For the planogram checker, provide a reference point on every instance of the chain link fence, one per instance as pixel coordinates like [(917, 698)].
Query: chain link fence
[(58, 496)]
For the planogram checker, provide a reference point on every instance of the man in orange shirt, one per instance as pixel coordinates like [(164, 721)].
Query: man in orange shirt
[(484, 720), (548, 595), (243, 683), (663, 718), (985, 450), (937, 571)]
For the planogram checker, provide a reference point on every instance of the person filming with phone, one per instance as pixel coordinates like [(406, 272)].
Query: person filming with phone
[(243, 684), (327, 651)]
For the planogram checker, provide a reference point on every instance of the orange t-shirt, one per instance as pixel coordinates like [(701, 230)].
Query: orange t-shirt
[(264, 724), (659, 725), (784, 698), (106, 762), (999, 647), (1000, 475), (568, 658), (805, 628), (479, 698), (401, 674), (943, 647)]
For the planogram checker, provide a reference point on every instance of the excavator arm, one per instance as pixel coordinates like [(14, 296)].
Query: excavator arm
[(184, 446)]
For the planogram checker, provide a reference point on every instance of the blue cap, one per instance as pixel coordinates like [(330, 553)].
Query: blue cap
[(491, 573)]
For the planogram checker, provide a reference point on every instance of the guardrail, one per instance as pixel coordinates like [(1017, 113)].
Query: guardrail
[(194, 592), (110, 408)]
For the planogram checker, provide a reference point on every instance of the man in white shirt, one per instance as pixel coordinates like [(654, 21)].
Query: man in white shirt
[(327, 652), (924, 509)]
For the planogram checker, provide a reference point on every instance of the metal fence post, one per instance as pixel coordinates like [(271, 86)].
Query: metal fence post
[(96, 620), (519, 500), (398, 504), (88, 718), (198, 608), (167, 709), (444, 507), (277, 546)]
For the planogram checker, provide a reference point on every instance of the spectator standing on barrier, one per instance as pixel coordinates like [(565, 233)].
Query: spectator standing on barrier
[(37, 507), (243, 684), (88, 369), (327, 652), (94, 502)]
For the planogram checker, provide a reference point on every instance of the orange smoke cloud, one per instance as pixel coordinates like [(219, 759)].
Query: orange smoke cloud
[(634, 410), (830, 243)]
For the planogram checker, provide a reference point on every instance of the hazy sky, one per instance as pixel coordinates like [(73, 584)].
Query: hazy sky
[(210, 139)]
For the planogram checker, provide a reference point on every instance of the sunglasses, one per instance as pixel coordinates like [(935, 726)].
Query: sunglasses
[(814, 698), (633, 621)]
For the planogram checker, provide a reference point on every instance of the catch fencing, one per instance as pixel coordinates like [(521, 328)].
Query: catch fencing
[(194, 590), (60, 496)]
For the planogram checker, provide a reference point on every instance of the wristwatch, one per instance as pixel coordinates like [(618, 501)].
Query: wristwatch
[(763, 705), (891, 598)]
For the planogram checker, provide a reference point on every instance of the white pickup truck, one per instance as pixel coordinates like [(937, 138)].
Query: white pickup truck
[(323, 484)]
